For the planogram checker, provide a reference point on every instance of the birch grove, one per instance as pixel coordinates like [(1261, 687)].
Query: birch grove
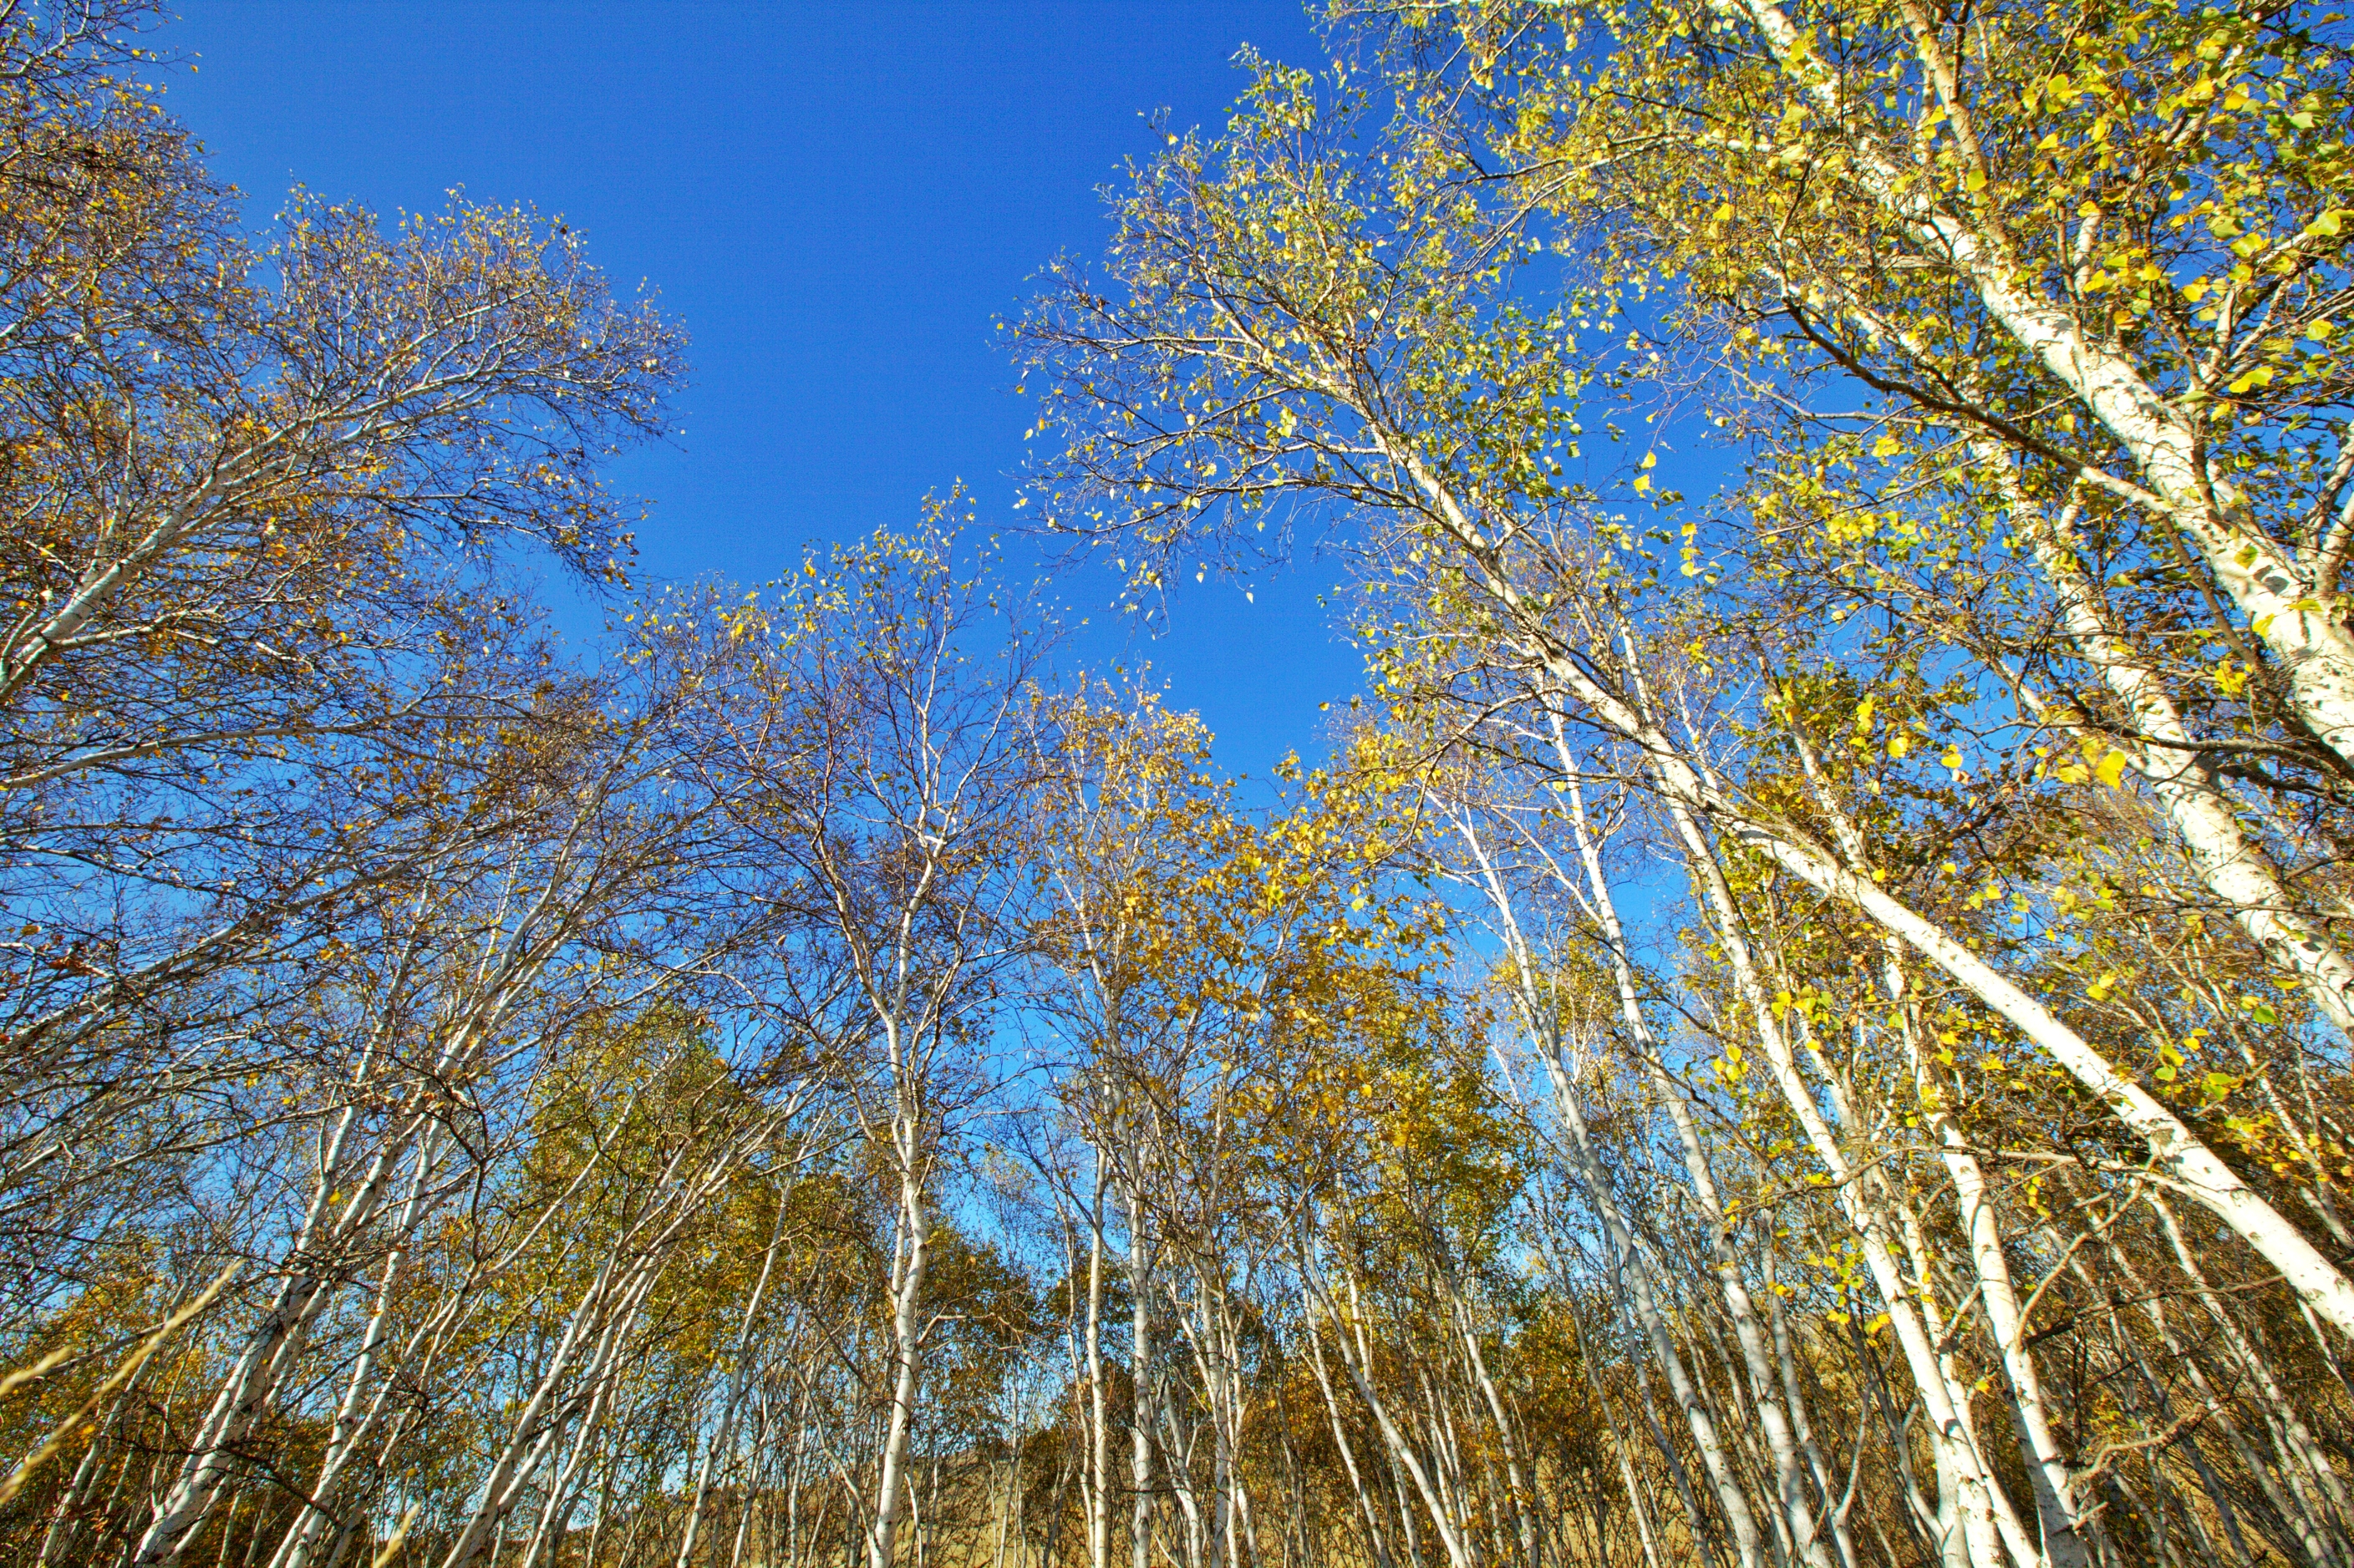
[(1798, 1020)]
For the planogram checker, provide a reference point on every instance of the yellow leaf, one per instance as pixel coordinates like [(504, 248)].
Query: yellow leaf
[(2111, 768)]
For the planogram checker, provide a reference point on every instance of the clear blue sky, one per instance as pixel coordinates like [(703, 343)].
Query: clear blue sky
[(836, 199)]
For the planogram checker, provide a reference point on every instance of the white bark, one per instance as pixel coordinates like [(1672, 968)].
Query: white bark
[(1142, 1368), (1801, 1521), (910, 1271)]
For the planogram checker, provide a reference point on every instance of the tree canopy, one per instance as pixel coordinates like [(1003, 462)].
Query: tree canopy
[(1802, 1020)]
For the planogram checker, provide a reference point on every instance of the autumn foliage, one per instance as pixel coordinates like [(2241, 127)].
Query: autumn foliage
[(1801, 1018)]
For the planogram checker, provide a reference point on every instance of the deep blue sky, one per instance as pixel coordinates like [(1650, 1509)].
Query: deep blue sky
[(836, 200)]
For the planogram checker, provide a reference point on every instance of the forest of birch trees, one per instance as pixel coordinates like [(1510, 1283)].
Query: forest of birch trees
[(1800, 1018)]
